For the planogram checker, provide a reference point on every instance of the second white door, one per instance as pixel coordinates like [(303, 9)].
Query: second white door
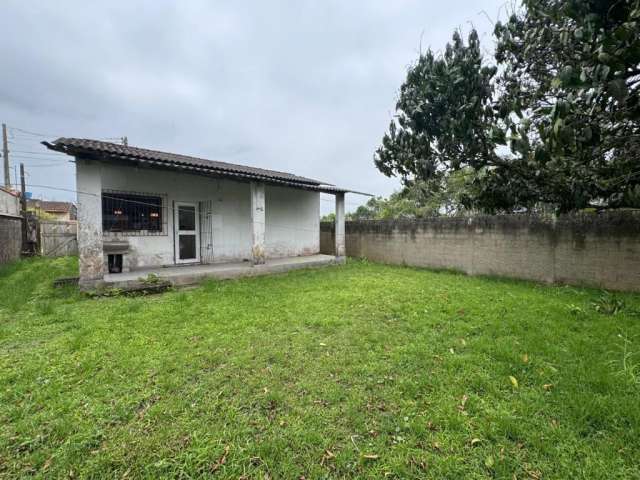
[(187, 235)]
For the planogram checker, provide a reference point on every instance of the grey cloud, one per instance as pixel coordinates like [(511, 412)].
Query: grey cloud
[(302, 86)]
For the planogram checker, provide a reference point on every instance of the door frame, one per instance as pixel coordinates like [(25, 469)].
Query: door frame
[(177, 232)]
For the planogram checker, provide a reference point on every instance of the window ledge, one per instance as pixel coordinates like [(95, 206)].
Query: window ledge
[(134, 233)]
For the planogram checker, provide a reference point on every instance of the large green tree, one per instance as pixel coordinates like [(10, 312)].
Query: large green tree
[(565, 108), (569, 105), (444, 116)]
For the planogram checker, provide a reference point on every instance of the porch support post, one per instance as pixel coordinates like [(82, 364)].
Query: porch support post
[(90, 248), (340, 236), (257, 222)]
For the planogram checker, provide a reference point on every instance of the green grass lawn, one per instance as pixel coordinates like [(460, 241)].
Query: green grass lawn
[(360, 371)]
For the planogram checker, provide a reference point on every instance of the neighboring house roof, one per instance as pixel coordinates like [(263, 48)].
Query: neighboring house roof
[(10, 191), (112, 151), (51, 206)]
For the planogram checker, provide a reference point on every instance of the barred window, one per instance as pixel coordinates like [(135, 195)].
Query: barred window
[(127, 212)]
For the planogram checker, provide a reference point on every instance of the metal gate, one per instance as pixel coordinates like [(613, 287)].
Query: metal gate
[(206, 231)]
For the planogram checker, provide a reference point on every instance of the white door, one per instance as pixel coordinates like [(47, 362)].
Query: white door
[(186, 226)]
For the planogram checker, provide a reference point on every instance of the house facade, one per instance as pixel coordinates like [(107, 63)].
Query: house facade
[(140, 208)]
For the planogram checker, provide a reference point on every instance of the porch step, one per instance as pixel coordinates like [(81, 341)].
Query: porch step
[(191, 275)]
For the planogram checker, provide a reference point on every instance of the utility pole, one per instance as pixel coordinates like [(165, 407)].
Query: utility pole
[(23, 205), (5, 156)]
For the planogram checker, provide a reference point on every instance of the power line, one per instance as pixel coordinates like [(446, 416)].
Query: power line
[(28, 134), (57, 160), (27, 139), (25, 143), (60, 161), (35, 134), (57, 154), (23, 138)]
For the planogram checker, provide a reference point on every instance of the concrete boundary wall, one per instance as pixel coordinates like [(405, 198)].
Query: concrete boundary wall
[(601, 250), (10, 238)]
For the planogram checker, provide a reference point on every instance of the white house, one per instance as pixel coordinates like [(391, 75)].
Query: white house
[(141, 209)]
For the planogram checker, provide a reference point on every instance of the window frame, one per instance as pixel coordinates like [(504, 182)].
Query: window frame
[(140, 232)]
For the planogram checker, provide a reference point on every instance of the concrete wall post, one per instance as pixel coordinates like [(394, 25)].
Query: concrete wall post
[(340, 236), (257, 222), (90, 248)]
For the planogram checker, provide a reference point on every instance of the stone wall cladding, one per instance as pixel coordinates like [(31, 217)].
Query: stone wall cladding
[(601, 250), (10, 238)]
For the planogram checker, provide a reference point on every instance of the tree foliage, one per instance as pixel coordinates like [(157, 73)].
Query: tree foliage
[(418, 199), (565, 105), (569, 100), (444, 115)]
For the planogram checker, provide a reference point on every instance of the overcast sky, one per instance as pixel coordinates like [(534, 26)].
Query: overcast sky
[(301, 86)]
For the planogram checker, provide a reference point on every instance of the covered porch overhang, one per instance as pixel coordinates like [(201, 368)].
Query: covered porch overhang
[(258, 222)]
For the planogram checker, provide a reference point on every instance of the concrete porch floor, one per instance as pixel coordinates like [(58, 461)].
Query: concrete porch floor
[(193, 274)]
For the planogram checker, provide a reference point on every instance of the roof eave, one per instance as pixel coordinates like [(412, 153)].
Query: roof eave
[(75, 146), (202, 170)]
